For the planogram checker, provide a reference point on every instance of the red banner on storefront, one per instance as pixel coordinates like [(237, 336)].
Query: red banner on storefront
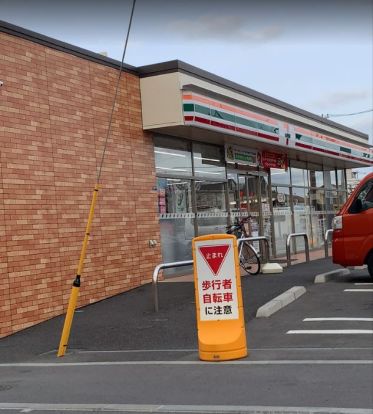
[(273, 160)]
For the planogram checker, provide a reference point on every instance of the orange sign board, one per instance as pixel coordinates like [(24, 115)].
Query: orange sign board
[(217, 280)]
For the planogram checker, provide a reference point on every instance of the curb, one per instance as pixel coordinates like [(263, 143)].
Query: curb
[(325, 277), (280, 301)]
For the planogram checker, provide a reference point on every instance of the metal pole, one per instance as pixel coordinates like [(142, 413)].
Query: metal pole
[(76, 285), (307, 247), (288, 261), (155, 277), (258, 238), (326, 238)]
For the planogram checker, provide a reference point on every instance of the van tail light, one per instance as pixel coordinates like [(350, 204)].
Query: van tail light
[(337, 223)]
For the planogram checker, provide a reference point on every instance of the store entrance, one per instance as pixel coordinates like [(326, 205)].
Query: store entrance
[(248, 196)]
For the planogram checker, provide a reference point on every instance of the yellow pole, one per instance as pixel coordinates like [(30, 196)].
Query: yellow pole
[(76, 285)]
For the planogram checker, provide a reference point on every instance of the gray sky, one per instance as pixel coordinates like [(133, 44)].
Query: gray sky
[(316, 55)]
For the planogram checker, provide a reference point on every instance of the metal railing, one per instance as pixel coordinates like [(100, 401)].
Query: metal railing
[(190, 263), (156, 273), (326, 238), (306, 246), (260, 239)]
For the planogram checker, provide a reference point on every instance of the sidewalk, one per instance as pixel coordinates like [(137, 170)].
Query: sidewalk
[(128, 321)]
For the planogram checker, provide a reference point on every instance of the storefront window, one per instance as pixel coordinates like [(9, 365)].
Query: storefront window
[(318, 216), (316, 176), (279, 176), (331, 201), (342, 196), (176, 218), (172, 156), (208, 161), (331, 178), (299, 198), (302, 222), (196, 194), (233, 192), (298, 177), (281, 217), (212, 213), (341, 180)]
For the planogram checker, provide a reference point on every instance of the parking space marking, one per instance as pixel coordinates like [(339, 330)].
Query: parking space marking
[(363, 284), (196, 362), (332, 331), (129, 351), (167, 408), (337, 319), (358, 290)]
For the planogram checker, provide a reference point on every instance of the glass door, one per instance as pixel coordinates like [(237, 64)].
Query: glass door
[(211, 207), (246, 194), (254, 203)]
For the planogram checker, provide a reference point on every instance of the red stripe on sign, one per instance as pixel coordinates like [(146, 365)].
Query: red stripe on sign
[(268, 137), (188, 118), (202, 120), (299, 144), (324, 151), (235, 128), (225, 126), (246, 131)]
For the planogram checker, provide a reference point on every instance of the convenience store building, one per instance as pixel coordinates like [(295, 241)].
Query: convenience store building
[(189, 152)]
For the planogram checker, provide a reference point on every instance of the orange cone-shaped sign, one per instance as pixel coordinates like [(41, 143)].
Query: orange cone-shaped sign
[(219, 306)]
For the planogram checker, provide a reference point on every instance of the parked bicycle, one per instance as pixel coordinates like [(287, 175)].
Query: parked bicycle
[(248, 256)]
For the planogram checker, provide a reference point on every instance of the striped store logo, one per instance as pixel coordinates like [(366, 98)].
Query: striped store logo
[(212, 114)]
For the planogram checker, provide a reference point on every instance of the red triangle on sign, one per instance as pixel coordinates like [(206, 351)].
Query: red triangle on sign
[(214, 256)]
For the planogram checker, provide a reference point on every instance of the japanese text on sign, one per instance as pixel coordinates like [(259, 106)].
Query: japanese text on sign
[(216, 281)]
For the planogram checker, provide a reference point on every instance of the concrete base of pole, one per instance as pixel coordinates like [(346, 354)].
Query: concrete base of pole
[(271, 268)]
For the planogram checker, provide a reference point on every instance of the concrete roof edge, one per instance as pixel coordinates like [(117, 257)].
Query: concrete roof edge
[(178, 65), (18, 31)]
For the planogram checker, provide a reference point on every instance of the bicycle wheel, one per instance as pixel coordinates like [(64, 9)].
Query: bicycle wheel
[(249, 259)]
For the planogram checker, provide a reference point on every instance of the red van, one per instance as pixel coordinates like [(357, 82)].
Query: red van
[(353, 228)]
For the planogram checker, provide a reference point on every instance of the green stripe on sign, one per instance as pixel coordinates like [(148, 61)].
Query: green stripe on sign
[(345, 150), (246, 122), (188, 107), (256, 125), (202, 110), (223, 115)]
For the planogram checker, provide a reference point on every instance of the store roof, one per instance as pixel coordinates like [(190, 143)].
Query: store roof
[(166, 67), (180, 66)]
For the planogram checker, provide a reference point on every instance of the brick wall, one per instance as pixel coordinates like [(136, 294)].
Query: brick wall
[(54, 114)]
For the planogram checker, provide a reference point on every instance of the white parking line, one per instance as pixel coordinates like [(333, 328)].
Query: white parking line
[(118, 351), (332, 331), (165, 408), (186, 363), (358, 290), (337, 319), (362, 284)]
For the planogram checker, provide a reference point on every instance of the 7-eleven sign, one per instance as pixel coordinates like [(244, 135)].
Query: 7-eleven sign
[(214, 256)]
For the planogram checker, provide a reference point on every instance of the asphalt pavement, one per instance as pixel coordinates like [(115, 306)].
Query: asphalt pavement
[(128, 321), (313, 356)]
